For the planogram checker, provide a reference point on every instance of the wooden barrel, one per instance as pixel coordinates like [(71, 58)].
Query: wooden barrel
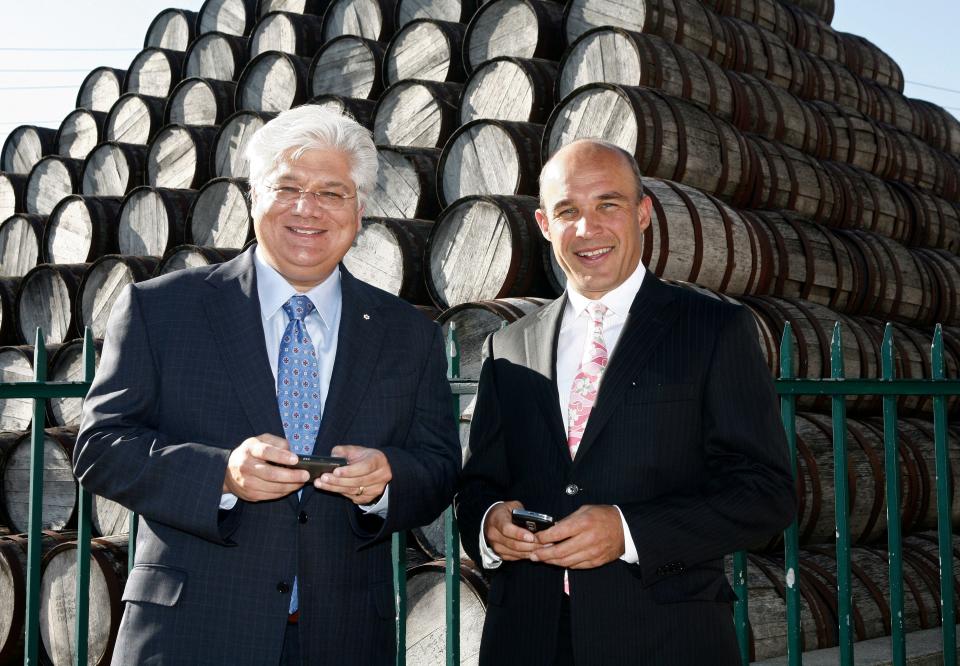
[(180, 156), (67, 365), (16, 365), (857, 139), (172, 29), (20, 243), (108, 575), (426, 623), (100, 89), (288, 32), (416, 113), (670, 138), (153, 220), (941, 129), (694, 237), (872, 204), (80, 132), (229, 156), (866, 59), (8, 311), (406, 184), (766, 55), (685, 22), (310, 7), (820, 8), (917, 164), (46, 299), (425, 49), (113, 169), (102, 284), (615, 55), (220, 215), (944, 268), (815, 35), (475, 320), (832, 82), (13, 187), (456, 11), (490, 157), (190, 256), (134, 119), (232, 17), (507, 88), (154, 72), (59, 499), (109, 518), (361, 110), (771, 15), (348, 66), (920, 433), (198, 101), (519, 28), (81, 229), (371, 19), (894, 109), (51, 179), (388, 253), (217, 56), (935, 221), (485, 247), (430, 540), (25, 146), (777, 114), (272, 82)]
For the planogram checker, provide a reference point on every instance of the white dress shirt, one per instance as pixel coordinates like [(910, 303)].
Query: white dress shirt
[(573, 336), (322, 324)]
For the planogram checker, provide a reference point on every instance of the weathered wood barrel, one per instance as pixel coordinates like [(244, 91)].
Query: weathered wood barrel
[(81, 229), (20, 243), (866, 59), (112, 169), (134, 119), (13, 187), (220, 215), (348, 66), (777, 114), (426, 49), (832, 82), (766, 55), (815, 35), (16, 365), (821, 8), (25, 146), (8, 310), (935, 221), (490, 157), (46, 299), (153, 220), (426, 623), (518, 28), (371, 19), (100, 89), (941, 129), (486, 247), (685, 22), (108, 575), (457, 11), (109, 518), (671, 138), (197, 101), (771, 15), (872, 204), (229, 157), (80, 132), (916, 163), (67, 365), (180, 156), (51, 179), (361, 110), (232, 17), (406, 184), (615, 55), (694, 237), (944, 268), (508, 88), (190, 256), (172, 29), (857, 139), (154, 72), (288, 32), (102, 284), (272, 82), (417, 113), (218, 56), (59, 500), (388, 253), (309, 7)]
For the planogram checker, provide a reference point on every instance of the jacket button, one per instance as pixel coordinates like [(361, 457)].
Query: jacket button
[(282, 587), (302, 517), (572, 489)]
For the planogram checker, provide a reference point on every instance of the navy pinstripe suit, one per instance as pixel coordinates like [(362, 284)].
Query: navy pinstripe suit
[(684, 437), (183, 379)]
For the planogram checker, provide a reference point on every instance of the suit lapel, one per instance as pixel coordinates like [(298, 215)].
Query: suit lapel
[(540, 348)]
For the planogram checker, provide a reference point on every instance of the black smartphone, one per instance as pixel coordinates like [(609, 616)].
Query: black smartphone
[(318, 465), (531, 520)]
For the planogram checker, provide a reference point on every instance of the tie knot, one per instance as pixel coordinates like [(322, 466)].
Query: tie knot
[(298, 307), (597, 311)]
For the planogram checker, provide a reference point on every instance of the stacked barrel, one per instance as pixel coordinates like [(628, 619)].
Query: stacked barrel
[(786, 169)]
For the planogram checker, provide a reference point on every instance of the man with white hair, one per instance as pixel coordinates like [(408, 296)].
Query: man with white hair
[(213, 381)]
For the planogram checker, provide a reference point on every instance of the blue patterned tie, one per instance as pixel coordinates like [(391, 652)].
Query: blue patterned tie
[(298, 388)]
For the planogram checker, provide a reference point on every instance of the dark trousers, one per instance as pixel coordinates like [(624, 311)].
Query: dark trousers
[(290, 656), (564, 654)]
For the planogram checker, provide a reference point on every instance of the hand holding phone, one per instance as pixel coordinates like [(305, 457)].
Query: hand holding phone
[(531, 520), (318, 465)]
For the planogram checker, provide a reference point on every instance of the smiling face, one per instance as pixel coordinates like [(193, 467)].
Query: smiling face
[(592, 216), (303, 241)]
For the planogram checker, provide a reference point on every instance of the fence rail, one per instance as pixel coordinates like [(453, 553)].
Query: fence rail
[(837, 387)]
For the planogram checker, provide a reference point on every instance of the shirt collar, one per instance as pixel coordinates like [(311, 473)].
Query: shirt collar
[(273, 291), (617, 300)]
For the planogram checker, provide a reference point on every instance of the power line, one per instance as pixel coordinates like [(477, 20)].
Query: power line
[(927, 85)]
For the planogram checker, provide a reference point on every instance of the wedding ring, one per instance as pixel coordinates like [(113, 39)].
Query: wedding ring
[(360, 491)]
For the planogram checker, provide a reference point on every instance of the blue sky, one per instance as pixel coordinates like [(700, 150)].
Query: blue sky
[(922, 36)]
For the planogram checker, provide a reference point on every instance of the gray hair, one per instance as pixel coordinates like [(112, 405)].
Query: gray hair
[(628, 159), (311, 127)]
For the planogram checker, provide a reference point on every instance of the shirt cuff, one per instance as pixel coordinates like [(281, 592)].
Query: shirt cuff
[(629, 548), (488, 558), (380, 507), (228, 501)]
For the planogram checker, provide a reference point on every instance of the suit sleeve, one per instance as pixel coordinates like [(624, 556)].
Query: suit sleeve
[(120, 452), (750, 493)]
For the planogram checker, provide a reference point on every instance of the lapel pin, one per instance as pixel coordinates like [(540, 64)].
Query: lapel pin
[(366, 316)]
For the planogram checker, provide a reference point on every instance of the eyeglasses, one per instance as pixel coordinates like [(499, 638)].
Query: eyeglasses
[(286, 195)]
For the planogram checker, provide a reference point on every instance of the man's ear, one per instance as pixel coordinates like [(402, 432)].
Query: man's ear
[(644, 211), (543, 223)]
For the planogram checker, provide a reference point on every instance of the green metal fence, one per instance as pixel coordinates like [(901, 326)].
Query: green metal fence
[(787, 386)]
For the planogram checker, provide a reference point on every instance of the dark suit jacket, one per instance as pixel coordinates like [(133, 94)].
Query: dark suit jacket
[(183, 379), (684, 437)]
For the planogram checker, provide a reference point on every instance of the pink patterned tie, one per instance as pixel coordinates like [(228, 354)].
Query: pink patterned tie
[(583, 393)]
